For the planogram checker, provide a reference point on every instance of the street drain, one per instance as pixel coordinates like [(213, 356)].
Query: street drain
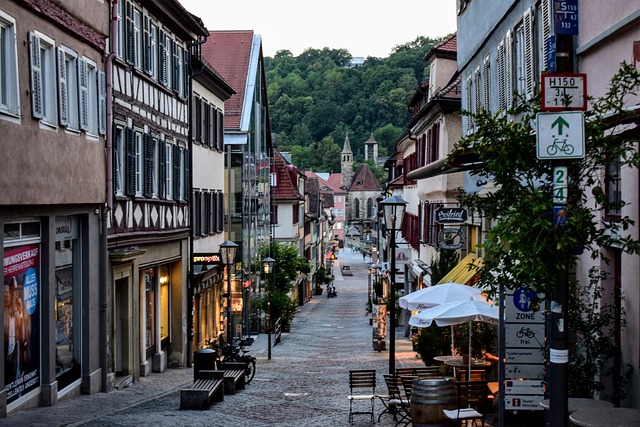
[(295, 394)]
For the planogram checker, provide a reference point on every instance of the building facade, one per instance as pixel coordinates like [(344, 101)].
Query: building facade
[(149, 218), (53, 126)]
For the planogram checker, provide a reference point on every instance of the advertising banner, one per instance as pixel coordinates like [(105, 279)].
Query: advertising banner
[(21, 320)]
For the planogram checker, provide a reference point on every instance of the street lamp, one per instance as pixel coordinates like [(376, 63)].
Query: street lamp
[(393, 215), (228, 253), (267, 265)]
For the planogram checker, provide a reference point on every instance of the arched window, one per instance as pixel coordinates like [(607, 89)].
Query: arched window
[(356, 206), (369, 208)]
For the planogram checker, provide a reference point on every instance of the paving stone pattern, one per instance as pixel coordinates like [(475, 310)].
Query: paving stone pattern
[(304, 384)]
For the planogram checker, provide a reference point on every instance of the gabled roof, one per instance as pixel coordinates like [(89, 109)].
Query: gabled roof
[(286, 188), (447, 48), (364, 180), (236, 55)]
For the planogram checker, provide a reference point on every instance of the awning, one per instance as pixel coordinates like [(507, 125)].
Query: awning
[(419, 267), (465, 271)]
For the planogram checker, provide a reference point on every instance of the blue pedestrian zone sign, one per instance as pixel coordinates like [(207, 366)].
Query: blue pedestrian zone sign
[(525, 299)]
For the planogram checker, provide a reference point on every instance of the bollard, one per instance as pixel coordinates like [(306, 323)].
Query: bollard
[(203, 359)]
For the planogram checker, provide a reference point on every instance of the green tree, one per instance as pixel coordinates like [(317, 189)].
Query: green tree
[(520, 203), (287, 268)]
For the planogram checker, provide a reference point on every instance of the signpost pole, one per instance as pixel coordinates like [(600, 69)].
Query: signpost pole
[(565, 17)]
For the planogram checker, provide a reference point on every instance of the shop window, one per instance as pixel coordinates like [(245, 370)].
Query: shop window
[(165, 293), (68, 309), (150, 285)]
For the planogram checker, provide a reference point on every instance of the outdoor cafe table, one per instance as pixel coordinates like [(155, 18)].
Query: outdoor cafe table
[(606, 417), (457, 362), (579, 403)]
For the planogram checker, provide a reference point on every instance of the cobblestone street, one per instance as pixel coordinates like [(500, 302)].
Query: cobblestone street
[(304, 384)]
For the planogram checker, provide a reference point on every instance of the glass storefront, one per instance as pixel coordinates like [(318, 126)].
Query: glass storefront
[(157, 282), (68, 302), (21, 308)]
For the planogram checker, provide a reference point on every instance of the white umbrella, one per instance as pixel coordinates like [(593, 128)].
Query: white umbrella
[(443, 293), (454, 313), (439, 294)]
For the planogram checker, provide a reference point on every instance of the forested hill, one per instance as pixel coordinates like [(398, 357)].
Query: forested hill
[(317, 97)]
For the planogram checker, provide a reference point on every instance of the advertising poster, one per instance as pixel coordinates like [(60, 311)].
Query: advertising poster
[(21, 320)]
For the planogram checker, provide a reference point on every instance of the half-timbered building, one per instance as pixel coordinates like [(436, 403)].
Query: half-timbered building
[(149, 224)]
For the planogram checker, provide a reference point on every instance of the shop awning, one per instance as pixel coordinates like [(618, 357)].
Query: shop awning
[(465, 271)]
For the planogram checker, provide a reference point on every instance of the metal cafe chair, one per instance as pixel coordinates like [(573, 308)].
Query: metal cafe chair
[(362, 385), (472, 400), (397, 401)]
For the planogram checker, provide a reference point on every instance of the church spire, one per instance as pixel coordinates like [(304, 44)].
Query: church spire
[(346, 164)]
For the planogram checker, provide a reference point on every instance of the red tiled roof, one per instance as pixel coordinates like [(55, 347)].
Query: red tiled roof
[(228, 52), (447, 47), (364, 180), (335, 181), (286, 188)]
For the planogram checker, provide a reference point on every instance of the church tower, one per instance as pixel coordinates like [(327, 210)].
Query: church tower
[(371, 149), (346, 164)]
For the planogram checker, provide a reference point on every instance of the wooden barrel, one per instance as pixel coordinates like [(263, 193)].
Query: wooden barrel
[(428, 398)]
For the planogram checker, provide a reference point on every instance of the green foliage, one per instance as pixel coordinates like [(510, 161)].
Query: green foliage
[(433, 341), (524, 247), (316, 95), (520, 203), (593, 320), (288, 265)]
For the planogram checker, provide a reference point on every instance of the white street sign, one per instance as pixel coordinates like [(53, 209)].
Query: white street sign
[(560, 135), (530, 335), (521, 402), (524, 387), (524, 355), (562, 92), (513, 371)]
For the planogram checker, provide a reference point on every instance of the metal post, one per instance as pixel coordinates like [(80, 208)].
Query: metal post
[(392, 303), (229, 320), (269, 325)]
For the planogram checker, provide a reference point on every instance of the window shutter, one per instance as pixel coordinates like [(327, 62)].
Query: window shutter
[(508, 69), (62, 88), (83, 90), (214, 127), (130, 36), (528, 53), (220, 130), (36, 77), (187, 174), (147, 45), (198, 120), (130, 172), (175, 63), (546, 29), (501, 76), (196, 214), (176, 172), (147, 188), (162, 58), (115, 149), (469, 106), (102, 103), (162, 169), (487, 83), (220, 212), (185, 73)]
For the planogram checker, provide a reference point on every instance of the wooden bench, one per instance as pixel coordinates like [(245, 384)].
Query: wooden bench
[(233, 376), (207, 388)]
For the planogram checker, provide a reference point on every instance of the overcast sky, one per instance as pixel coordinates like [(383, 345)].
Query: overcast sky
[(364, 28)]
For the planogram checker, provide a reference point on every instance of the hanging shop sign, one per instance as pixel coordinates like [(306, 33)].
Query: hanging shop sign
[(451, 238), (451, 215)]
